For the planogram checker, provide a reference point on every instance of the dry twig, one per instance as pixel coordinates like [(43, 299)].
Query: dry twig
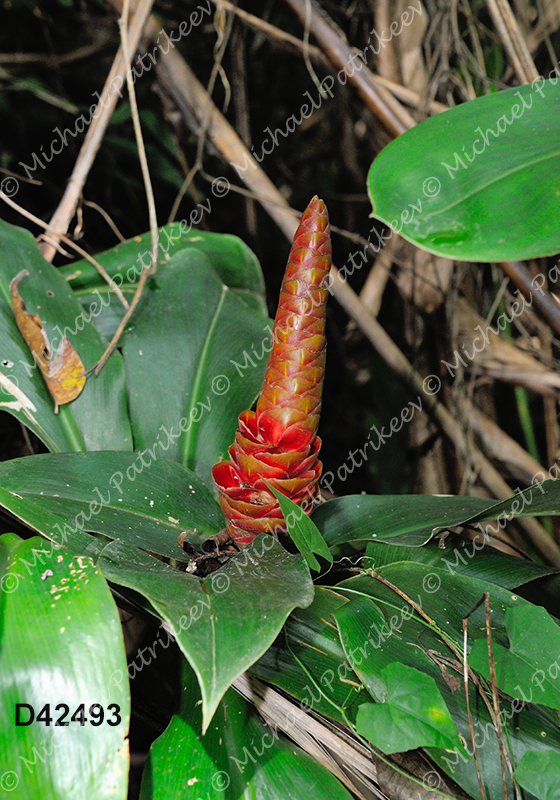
[(513, 40), (102, 271), (147, 271), (67, 206), (393, 116)]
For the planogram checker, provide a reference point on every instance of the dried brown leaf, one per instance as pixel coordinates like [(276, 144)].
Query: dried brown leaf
[(64, 372)]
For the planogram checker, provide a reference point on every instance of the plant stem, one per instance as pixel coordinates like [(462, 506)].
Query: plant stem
[(73, 435)]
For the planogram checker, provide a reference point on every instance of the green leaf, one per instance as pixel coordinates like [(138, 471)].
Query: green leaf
[(302, 530), (474, 183), (530, 668), (473, 558), (542, 498), (239, 756), (411, 517), (308, 662), (406, 638), (60, 643), (359, 621), (195, 356), (228, 255), (144, 501), (222, 623), (104, 308), (97, 419), (539, 773), (312, 638), (412, 715), (443, 594)]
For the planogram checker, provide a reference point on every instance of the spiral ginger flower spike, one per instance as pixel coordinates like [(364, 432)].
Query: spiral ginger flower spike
[(278, 441)]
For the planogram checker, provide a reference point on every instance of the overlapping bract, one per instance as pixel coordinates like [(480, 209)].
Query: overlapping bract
[(278, 441)]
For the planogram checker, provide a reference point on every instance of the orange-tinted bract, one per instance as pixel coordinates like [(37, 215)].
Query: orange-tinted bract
[(278, 441)]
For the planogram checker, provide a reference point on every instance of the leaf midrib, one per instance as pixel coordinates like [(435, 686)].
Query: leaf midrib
[(186, 443), (503, 176)]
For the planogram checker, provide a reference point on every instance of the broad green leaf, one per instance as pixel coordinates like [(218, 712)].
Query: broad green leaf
[(230, 258), (443, 594), (411, 517), (323, 670), (140, 498), (362, 629), (410, 711), (474, 183), (313, 667), (542, 498), (539, 773), (60, 643), (222, 623), (411, 715), (104, 308), (239, 756), (97, 419), (408, 639), (545, 592), (531, 665), (302, 530), (462, 554), (228, 255), (195, 356), (312, 637)]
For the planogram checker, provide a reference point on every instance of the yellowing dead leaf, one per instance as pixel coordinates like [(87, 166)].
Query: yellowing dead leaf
[(64, 373)]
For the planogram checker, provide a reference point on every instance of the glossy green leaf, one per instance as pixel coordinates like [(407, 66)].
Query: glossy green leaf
[(185, 358), (474, 183), (531, 665), (539, 773), (302, 530), (97, 419), (239, 756), (320, 670), (361, 626), (228, 255), (313, 640), (411, 715), (542, 498), (144, 501), (410, 711), (222, 623), (458, 553), (308, 662), (410, 517), (60, 643), (104, 308), (410, 640), (444, 596)]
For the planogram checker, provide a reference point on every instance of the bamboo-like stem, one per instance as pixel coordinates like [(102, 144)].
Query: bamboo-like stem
[(393, 116), (317, 56), (127, 54), (62, 216), (372, 291), (513, 40), (544, 303)]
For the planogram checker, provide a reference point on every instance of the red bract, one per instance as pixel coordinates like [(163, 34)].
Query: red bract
[(278, 441)]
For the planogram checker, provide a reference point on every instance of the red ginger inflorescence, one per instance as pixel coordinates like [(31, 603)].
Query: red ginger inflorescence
[(278, 441)]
